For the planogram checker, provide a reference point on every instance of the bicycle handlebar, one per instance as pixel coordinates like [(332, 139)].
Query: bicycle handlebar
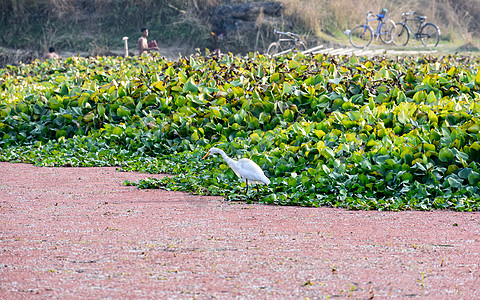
[(412, 12), (285, 33)]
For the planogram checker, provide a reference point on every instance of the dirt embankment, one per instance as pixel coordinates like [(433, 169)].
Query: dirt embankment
[(224, 20)]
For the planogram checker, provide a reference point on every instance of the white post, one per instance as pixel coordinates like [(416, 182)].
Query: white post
[(125, 40)]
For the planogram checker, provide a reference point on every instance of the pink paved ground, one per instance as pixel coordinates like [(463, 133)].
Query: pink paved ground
[(79, 233)]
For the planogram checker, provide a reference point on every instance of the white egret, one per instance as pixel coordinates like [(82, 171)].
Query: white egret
[(245, 168)]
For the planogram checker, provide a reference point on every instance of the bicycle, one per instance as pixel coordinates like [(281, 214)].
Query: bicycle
[(428, 33), (362, 35), (290, 42)]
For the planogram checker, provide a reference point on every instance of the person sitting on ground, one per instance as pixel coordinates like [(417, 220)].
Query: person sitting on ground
[(51, 54), (143, 43)]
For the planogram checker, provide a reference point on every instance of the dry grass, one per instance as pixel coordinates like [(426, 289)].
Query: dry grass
[(458, 19), (61, 20)]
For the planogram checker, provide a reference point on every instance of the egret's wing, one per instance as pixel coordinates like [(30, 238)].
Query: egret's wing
[(249, 170), (237, 173)]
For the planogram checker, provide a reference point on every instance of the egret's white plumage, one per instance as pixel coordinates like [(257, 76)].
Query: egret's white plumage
[(245, 168)]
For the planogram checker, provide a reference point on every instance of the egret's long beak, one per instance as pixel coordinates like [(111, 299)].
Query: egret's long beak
[(206, 155)]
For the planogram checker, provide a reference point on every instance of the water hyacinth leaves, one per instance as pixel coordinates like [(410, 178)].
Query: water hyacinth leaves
[(351, 132)]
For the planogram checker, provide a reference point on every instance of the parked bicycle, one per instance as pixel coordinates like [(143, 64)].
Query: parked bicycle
[(428, 33), (287, 41), (362, 35)]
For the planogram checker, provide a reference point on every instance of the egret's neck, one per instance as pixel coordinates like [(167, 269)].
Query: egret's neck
[(227, 159)]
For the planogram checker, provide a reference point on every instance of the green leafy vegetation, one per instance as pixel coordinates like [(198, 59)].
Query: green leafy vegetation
[(354, 132)]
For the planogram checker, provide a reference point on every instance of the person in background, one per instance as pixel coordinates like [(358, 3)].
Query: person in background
[(51, 54), (143, 46), (217, 41)]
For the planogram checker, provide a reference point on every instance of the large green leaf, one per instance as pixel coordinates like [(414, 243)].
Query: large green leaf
[(190, 87), (453, 182), (445, 155), (123, 112)]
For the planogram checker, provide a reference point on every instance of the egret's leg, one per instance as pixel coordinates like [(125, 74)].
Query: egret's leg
[(246, 190)]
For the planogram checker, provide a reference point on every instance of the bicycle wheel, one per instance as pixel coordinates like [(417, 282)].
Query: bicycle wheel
[(361, 36), (430, 35), (387, 32), (401, 35), (273, 48), (300, 46)]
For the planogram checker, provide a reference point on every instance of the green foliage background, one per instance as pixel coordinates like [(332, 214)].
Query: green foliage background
[(355, 132)]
